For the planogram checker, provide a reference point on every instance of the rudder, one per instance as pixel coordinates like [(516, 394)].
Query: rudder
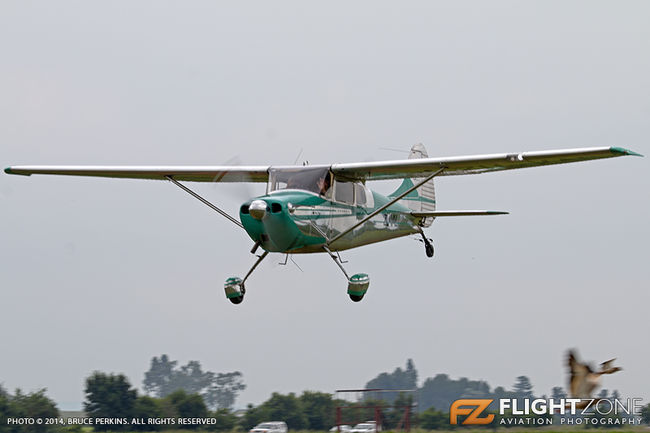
[(423, 199)]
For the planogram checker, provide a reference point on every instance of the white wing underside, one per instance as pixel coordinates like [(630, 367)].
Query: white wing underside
[(397, 169)]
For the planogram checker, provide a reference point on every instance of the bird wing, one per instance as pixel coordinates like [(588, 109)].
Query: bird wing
[(607, 364), (577, 376)]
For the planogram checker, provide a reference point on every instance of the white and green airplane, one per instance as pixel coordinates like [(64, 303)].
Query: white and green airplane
[(329, 208)]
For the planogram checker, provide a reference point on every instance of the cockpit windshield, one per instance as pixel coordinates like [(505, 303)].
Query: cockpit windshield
[(318, 180)]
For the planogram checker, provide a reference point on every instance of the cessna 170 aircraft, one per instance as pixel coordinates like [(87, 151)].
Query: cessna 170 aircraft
[(329, 208)]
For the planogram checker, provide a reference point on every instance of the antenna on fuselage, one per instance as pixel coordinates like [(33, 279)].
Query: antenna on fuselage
[(304, 163), (394, 150), (298, 157)]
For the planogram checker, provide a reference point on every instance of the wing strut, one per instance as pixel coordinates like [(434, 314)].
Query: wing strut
[(390, 203), (202, 200)]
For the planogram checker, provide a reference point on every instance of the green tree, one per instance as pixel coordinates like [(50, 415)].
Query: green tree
[(433, 419), (158, 381), (394, 416), (223, 390), (4, 410), (287, 408), (147, 407), (226, 420), (219, 390), (192, 379), (411, 375), (318, 408), (109, 396), (398, 379), (367, 410), (645, 413), (523, 388), (188, 405), (20, 405), (254, 415), (279, 407), (441, 391), (557, 393)]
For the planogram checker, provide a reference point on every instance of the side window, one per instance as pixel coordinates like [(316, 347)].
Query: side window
[(344, 192), (360, 192), (329, 193)]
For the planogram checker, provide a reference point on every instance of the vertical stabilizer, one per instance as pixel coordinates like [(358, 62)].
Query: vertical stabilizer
[(422, 199)]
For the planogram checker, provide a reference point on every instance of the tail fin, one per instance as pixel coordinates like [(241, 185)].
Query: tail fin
[(422, 199)]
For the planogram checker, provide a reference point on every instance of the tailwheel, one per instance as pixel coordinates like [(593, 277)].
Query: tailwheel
[(428, 246), (235, 290), (428, 249)]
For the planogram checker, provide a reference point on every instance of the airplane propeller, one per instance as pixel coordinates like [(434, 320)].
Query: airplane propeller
[(241, 190)]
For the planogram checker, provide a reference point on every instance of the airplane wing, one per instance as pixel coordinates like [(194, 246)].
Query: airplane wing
[(472, 164), (225, 173), (398, 169)]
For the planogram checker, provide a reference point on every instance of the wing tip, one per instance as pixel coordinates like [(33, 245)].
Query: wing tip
[(10, 170), (619, 151)]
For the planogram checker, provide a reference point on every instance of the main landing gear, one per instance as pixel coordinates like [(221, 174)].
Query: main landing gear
[(234, 286), (428, 246), (357, 283)]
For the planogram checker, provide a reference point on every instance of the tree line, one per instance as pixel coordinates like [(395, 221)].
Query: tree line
[(218, 390), (440, 391), (172, 391), (21, 405)]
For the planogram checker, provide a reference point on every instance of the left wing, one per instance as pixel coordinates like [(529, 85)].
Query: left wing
[(472, 164), (224, 173)]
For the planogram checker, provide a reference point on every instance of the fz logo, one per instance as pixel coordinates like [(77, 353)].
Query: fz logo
[(473, 414)]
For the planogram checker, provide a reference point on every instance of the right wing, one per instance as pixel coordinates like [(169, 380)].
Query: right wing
[(224, 173), (472, 164)]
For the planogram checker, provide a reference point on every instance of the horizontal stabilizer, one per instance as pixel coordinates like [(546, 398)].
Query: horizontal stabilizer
[(446, 213)]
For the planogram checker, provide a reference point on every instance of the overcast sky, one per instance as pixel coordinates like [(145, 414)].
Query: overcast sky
[(104, 274)]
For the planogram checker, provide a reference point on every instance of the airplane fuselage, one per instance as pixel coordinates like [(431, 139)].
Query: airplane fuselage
[(297, 221)]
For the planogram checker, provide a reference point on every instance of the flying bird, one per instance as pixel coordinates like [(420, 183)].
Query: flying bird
[(583, 379)]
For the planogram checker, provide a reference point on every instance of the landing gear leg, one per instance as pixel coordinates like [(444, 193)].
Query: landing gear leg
[(428, 246), (357, 284), (234, 286)]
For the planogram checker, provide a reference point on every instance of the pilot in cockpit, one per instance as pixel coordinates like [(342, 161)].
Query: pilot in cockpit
[(323, 184), (319, 182), (293, 183)]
